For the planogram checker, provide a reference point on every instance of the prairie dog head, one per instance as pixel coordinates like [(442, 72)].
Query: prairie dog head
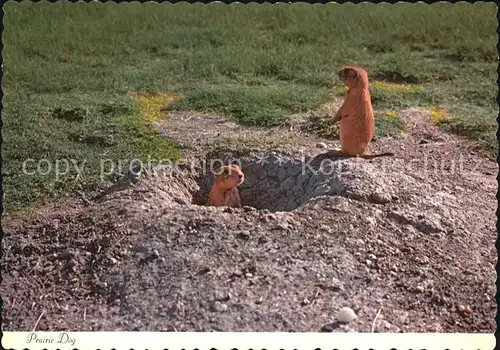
[(228, 177), (353, 76)]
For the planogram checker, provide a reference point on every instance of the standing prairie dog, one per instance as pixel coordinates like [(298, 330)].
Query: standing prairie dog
[(357, 122), (224, 191)]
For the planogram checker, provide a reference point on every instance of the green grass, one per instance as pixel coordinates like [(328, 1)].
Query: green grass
[(68, 68), (386, 124)]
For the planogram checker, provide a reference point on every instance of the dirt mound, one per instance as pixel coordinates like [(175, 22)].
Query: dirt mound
[(410, 238), (316, 234)]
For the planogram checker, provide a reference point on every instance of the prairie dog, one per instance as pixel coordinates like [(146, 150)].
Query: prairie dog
[(224, 191), (357, 121)]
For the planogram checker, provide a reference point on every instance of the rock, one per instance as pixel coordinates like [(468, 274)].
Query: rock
[(380, 197), (282, 226), (270, 217), (217, 306), (180, 201), (371, 220), (244, 235), (221, 296), (464, 309), (346, 315), (321, 145), (428, 223), (327, 328)]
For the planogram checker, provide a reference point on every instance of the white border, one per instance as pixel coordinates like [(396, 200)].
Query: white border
[(248, 340)]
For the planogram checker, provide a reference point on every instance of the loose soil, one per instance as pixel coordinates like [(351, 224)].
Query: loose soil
[(410, 237)]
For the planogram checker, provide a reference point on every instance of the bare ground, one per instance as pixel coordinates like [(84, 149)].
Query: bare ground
[(410, 238)]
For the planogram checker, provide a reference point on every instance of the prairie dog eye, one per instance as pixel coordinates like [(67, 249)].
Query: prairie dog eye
[(353, 74)]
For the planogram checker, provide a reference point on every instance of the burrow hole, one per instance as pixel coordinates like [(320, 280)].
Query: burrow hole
[(273, 181)]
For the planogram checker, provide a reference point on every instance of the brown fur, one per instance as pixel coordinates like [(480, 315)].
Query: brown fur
[(357, 122), (224, 192)]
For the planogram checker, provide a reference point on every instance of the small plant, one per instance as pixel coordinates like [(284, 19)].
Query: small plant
[(340, 90), (322, 125), (440, 115)]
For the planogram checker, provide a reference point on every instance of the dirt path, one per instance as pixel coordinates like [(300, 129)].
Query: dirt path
[(410, 238)]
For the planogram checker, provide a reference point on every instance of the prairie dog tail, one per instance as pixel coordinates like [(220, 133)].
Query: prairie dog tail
[(371, 156)]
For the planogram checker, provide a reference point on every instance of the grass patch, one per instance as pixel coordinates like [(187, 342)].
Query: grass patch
[(387, 125), (69, 66), (322, 125), (472, 122), (254, 105), (440, 115), (62, 151), (152, 106)]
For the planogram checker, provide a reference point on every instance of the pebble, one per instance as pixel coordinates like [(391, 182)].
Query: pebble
[(271, 216), (282, 226), (465, 309), (180, 201), (244, 234), (371, 220), (346, 315), (113, 261), (222, 296), (218, 307), (327, 328), (380, 198), (419, 289), (321, 145)]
